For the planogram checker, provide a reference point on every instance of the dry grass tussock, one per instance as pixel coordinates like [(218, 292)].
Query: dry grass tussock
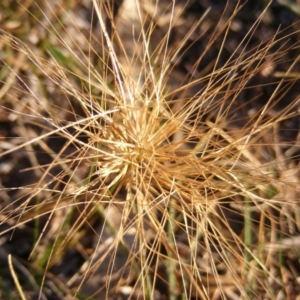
[(139, 177)]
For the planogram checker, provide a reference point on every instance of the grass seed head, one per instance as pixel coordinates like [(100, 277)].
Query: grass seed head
[(179, 190)]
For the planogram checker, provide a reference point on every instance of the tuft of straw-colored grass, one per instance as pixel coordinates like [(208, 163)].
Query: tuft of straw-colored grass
[(164, 187)]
